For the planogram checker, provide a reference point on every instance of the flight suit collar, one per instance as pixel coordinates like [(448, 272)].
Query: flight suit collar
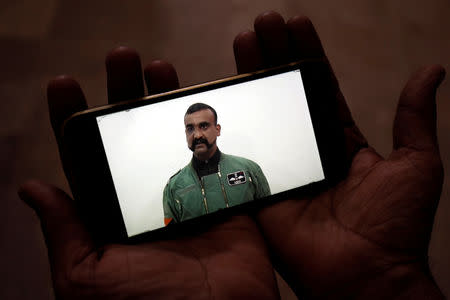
[(204, 168)]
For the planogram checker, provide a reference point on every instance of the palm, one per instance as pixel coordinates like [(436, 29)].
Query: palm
[(390, 202), (226, 262), (379, 218), (373, 227)]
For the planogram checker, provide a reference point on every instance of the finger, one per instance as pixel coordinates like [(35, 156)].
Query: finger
[(303, 38), (67, 240), (273, 38), (415, 120), (65, 98), (124, 75), (247, 52), (305, 44), (160, 76)]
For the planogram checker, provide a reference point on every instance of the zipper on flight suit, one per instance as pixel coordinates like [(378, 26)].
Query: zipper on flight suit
[(203, 194), (200, 180), (223, 188)]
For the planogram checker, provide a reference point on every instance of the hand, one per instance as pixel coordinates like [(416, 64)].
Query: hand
[(228, 261), (368, 236)]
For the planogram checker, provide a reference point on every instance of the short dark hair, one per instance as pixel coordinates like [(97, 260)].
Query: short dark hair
[(201, 106)]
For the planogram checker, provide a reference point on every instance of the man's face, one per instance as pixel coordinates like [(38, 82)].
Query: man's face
[(201, 133)]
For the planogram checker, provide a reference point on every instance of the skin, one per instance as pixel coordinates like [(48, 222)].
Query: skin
[(368, 236), (201, 125), (229, 261), (365, 238)]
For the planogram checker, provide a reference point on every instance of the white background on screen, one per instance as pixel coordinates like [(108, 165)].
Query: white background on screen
[(266, 120)]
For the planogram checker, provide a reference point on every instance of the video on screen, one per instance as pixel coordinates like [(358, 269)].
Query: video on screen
[(179, 159)]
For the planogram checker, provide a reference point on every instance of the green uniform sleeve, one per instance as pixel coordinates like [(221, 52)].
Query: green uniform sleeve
[(260, 181), (169, 206)]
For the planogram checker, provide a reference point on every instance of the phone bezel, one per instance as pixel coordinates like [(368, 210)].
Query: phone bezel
[(91, 181)]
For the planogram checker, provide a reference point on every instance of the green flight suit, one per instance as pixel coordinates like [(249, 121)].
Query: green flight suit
[(237, 181)]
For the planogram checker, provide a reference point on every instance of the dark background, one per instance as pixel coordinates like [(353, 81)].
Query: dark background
[(373, 47)]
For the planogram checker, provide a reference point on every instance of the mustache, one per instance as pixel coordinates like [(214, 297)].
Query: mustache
[(200, 141)]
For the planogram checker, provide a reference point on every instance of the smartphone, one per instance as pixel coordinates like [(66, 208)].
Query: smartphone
[(155, 166)]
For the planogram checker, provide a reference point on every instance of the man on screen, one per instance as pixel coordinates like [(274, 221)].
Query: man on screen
[(212, 180)]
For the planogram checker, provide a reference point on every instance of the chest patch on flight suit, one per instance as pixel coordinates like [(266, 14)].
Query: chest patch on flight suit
[(236, 178)]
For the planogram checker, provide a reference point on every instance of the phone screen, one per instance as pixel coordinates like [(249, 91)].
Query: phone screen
[(156, 153)]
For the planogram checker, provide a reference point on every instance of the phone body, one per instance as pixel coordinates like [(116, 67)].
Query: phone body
[(123, 158)]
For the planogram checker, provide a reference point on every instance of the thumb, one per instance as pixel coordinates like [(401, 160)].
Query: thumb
[(415, 120), (67, 240)]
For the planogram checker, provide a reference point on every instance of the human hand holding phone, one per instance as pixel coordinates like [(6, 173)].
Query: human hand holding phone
[(230, 260), (368, 236)]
